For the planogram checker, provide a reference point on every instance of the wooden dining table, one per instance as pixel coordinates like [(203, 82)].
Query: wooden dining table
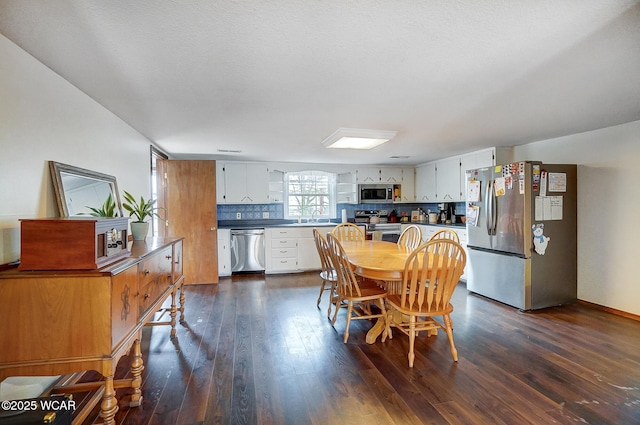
[(381, 261)]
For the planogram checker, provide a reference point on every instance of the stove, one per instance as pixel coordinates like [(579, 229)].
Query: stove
[(389, 231), (363, 216)]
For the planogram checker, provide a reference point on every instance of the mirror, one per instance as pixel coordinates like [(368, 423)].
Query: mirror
[(77, 188)]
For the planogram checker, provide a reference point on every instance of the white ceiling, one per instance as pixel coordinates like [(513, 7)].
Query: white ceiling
[(273, 78)]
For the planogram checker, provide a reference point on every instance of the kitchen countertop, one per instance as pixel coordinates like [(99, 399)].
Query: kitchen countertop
[(252, 224)]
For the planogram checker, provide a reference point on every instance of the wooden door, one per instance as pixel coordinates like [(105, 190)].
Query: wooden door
[(187, 191)]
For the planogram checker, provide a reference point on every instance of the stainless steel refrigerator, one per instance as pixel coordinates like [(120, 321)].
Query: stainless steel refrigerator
[(522, 234)]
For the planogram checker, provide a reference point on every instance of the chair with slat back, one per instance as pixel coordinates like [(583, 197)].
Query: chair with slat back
[(411, 237), (348, 232), (327, 273), (357, 295), (445, 234), (426, 292)]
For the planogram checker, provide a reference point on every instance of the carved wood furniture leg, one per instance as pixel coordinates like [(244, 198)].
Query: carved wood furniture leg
[(375, 331), (173, 313), (182, 301), (109, 405), (137, 367)]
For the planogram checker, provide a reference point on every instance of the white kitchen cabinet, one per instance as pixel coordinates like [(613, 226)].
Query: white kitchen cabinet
[(291, 249), (245, 183), (425, 183), (368, 175), (407, 186), (224, 252), (347, 188), (392, 175), (276, 186), (448, 180)]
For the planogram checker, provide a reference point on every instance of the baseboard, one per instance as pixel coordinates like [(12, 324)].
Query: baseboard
[(612, 310)]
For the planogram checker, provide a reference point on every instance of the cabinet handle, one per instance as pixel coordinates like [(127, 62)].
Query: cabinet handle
[(168, 257), (146, 272), (146, 296)]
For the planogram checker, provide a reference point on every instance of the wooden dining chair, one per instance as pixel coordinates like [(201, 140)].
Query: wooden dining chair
[(411, 237), (427, 292), (445, 234), (357, 294), (348, 232), (327, 272)]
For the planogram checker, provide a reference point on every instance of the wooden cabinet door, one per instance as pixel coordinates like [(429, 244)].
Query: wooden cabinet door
[(190, 208)]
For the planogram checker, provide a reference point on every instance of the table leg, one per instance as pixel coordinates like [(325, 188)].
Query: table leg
[(375, 331)]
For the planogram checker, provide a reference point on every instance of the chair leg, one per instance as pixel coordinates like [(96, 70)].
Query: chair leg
[(448, 326), (332, 298), (335, 313), (346, 329), (412, 339), (321, 291)]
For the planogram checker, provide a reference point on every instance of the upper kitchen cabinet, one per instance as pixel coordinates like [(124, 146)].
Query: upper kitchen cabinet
[(368, 175), (347, 188), (407, 185), (244, 183), (448, 180), (391, 175), (425, 183)]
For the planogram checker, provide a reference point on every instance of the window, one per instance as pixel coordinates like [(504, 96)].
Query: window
[(309, 194)]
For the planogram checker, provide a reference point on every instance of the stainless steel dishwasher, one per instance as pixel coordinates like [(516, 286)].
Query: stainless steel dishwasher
[(247, 250)]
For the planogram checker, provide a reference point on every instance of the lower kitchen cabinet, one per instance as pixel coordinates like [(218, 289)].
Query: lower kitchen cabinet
[(224, 252), (291, 249), (429, 230)]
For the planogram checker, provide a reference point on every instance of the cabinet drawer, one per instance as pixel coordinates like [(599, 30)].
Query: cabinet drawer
[(149, 294), (155, 276), (284, 252), (158, 267), (283, 243), (282, 264)]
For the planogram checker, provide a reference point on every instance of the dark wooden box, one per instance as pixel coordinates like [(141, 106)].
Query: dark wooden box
[(72, 243)]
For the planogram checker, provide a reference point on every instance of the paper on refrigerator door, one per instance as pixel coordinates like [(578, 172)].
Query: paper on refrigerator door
[(473, 191), (548, 208)]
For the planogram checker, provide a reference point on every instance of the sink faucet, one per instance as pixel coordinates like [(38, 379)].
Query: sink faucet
[(313, 216)]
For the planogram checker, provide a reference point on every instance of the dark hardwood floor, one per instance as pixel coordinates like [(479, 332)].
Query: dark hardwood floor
[(256, 350)]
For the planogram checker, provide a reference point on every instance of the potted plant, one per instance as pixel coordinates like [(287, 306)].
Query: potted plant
[(140, 210)]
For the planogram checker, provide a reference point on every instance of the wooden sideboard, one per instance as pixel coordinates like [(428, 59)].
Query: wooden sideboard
[(62, 322)]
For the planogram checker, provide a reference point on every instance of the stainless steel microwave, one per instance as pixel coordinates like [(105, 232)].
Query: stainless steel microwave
[(375, 193)]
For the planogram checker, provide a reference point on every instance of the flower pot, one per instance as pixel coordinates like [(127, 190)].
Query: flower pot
[(139, 230)]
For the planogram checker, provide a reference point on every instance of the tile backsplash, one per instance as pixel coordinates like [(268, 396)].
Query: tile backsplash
[(276, 211)]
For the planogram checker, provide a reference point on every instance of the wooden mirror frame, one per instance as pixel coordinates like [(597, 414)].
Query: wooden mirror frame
[(58, 170)]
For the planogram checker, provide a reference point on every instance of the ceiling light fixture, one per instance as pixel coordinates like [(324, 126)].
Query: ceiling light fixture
[(355, 138)]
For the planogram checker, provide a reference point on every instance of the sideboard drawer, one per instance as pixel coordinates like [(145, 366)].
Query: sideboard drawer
[(155, 277), (156, 268)]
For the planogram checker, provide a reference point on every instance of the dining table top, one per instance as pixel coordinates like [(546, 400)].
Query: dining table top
[(378, 260)]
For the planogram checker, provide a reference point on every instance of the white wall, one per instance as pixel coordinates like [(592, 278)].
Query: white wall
[(42, 118), (608, 204)]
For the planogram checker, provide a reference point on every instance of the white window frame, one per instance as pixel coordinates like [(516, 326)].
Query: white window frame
[(304, 192)]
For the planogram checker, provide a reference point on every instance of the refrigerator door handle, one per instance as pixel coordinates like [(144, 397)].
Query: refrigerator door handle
[(494, 210), (488, 206)]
